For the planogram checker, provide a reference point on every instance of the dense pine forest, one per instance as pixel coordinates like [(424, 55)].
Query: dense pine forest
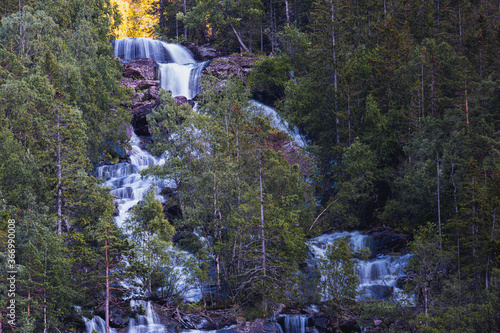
[(399, 104)]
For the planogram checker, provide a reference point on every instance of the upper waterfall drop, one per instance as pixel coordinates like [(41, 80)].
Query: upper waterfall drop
[(178, 71), (133, 48)]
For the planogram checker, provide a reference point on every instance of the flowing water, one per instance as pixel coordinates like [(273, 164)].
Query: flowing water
[(377, 276), (180, 74)]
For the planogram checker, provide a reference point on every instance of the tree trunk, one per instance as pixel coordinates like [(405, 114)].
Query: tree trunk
[(264, 300), (185, 26), (422, 75), (217, 236), (45, 327), (106, 305), (439, 204), (466, 102), (287, 12), (59, 176), (337, 120), (243, 46)]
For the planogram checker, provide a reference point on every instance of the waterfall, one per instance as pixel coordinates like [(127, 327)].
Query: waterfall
[(133, 48), (295, 323), (98, 324), (148, 323), (125, 181), (378, 276), (181, 80), (278, 122), (178, 71)]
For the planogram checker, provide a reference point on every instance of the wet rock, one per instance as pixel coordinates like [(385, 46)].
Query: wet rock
[(349, 326), (136, 84), (118, 318), (203, 52), (321, 323), (256, 326), (224, 68), (386, 240), (145, 84), (139, 111), (182, 100), (140, 69)]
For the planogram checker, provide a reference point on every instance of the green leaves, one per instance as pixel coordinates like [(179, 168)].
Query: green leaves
[(339, 276)]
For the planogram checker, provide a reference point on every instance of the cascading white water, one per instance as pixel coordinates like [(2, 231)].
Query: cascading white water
[(295, 324), (133, 48), (96, 324), (278, 122), (125, 181), (377, 277), (148, 323), (181, 80), (179, 72)]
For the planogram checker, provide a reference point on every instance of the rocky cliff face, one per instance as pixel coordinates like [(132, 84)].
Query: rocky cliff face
[(224, 68), (142, 77)]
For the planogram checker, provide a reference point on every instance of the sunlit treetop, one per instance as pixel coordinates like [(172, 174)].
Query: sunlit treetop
[(137, 19)]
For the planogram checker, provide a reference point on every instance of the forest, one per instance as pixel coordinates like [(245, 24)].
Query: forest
[(399, 104)]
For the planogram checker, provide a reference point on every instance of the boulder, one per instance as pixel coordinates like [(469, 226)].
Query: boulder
[(349, 326), (182, 100), (203, 52), (386, 240), (137, 84), (256, 326), (224, 68), (140, 69), (139, 111)]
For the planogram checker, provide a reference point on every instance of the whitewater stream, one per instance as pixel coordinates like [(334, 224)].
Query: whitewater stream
[(180, 74)]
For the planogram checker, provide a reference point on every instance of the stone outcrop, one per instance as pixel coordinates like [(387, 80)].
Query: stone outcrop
[(140, 68), (224, 68), (386, 240), (203, 52), (140, 75)]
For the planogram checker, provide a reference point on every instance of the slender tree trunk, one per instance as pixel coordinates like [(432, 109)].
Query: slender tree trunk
[(287, 12), (460, 23), (261, 39), (334, 53), (264, 300), (21, 32), (59, 176), (45, 327), (454, 186), (488, 281), (349, 119), (106, 305), (458, 264), (466, 102), (185, 26), (439, 203), (243, 46), (422, 75), (217, 237)]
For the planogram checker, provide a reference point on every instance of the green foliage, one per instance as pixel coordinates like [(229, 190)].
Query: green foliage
[(468, 318), (60, 105), (152, 234), (339, 276), (270, 75)]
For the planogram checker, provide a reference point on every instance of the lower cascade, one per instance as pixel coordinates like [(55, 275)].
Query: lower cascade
[(96, 324), (377, 276), (147, 323)]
